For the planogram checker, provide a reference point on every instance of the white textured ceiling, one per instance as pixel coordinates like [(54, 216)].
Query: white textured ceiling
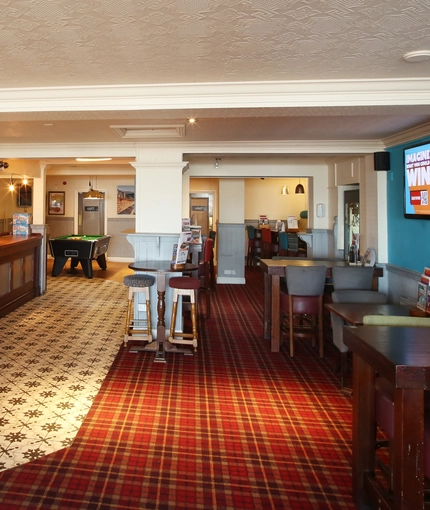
[(84, 45)]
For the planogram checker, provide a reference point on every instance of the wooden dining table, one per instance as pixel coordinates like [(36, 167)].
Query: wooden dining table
[(273, 270), (353, 313), (162, 268), (402, 356)]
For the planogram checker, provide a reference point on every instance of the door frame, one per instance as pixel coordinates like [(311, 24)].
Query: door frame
[(210, 196), (75, 210)]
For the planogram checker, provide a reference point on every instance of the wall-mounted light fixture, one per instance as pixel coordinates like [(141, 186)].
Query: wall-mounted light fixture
[(217, 162), (285, 190), (11, 184), (320, 210), (299, 189)]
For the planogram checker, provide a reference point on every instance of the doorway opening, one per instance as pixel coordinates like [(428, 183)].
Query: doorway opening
[(201, 211), (90, 218), (352, 218)]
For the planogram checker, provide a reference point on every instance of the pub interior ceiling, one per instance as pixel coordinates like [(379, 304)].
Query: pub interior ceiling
[(115, 72)]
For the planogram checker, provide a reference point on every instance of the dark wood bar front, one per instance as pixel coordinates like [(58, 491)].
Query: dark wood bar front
[(402, 356), (19, 270)]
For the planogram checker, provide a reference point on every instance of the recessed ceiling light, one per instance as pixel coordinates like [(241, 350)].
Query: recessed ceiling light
[(191, 121), (417, 56), (93, 159), (48, 124)]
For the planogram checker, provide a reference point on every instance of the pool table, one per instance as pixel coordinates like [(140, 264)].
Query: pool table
[(79, 248)]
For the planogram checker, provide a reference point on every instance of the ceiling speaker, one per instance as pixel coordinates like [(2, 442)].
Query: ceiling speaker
[(381, 160)]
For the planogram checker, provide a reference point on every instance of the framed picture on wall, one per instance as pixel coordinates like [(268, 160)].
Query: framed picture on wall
[(125, 200), (56, 200)]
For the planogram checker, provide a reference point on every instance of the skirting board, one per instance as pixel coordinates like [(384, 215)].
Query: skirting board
[(240, 281)]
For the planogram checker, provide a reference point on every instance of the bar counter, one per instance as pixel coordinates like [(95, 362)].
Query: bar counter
[(19, 270)]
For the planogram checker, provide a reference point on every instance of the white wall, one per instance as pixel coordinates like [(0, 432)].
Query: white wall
[(232, 200), (315, 169), (264, 197)]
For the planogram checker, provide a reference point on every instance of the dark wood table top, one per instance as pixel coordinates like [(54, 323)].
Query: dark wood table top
[(161, 265), (400, 354), (277, 266), (353, 313)]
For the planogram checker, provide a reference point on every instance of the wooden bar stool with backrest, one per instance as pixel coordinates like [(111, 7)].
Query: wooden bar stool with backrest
[(255, 246), (270, 248), (212, 235), (205, 273), (302, 304), (135, 328)]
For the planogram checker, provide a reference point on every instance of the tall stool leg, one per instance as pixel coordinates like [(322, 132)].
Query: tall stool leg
[(137, 328), (184, 286)]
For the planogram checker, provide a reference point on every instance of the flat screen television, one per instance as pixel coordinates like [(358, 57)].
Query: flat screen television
[(417, 181)]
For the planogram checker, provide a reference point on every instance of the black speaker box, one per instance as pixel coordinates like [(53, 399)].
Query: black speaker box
[(381, 160)]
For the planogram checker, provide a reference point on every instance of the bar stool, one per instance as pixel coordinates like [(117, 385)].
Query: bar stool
[(138, 329), (184, 286)]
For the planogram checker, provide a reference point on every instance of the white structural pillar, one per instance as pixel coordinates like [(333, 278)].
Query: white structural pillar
[(231, 231), (39, 226), (159, 190)]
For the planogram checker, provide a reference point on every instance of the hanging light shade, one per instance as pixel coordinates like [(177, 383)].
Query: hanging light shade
[(284, 190), (93, 193), (300, 190)]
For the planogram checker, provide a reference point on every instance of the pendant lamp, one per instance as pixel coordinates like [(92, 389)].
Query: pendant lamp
[(93, 193), (284, 190), (299, 189)]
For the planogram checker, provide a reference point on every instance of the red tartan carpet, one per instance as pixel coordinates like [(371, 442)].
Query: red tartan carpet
[(233, 427)]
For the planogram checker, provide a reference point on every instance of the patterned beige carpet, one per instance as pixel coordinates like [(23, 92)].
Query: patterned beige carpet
[(55, 352)]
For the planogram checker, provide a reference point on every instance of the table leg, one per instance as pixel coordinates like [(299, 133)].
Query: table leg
[(408, 462), (363, 428), (58, 265), (267, 305), (276, 313), (160, 355), (87, 266), (101, 261)]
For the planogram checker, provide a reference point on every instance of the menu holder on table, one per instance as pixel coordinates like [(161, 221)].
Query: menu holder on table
[(180, 251)]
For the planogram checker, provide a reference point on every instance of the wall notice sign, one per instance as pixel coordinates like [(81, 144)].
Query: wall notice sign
[(292, 222)]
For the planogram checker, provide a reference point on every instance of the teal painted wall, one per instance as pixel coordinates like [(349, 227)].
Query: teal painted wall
[(408, 239)]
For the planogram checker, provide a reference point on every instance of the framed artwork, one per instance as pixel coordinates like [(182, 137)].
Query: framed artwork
[(125, 200), (56, 200)]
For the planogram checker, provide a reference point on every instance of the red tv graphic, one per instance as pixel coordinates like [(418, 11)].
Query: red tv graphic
[(415, 197)]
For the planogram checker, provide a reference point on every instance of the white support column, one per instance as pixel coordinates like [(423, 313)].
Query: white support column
[(159, 190), (39, 217)]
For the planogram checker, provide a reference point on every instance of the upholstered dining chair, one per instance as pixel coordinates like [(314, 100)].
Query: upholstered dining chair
[(283, 244), (205, 273), (212, 235), (352, 277), (294, 248), (302, 304), (350, 285), (255, 246), (270, 248)]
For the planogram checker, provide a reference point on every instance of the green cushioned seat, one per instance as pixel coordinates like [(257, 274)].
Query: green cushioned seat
[(392, 320)]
